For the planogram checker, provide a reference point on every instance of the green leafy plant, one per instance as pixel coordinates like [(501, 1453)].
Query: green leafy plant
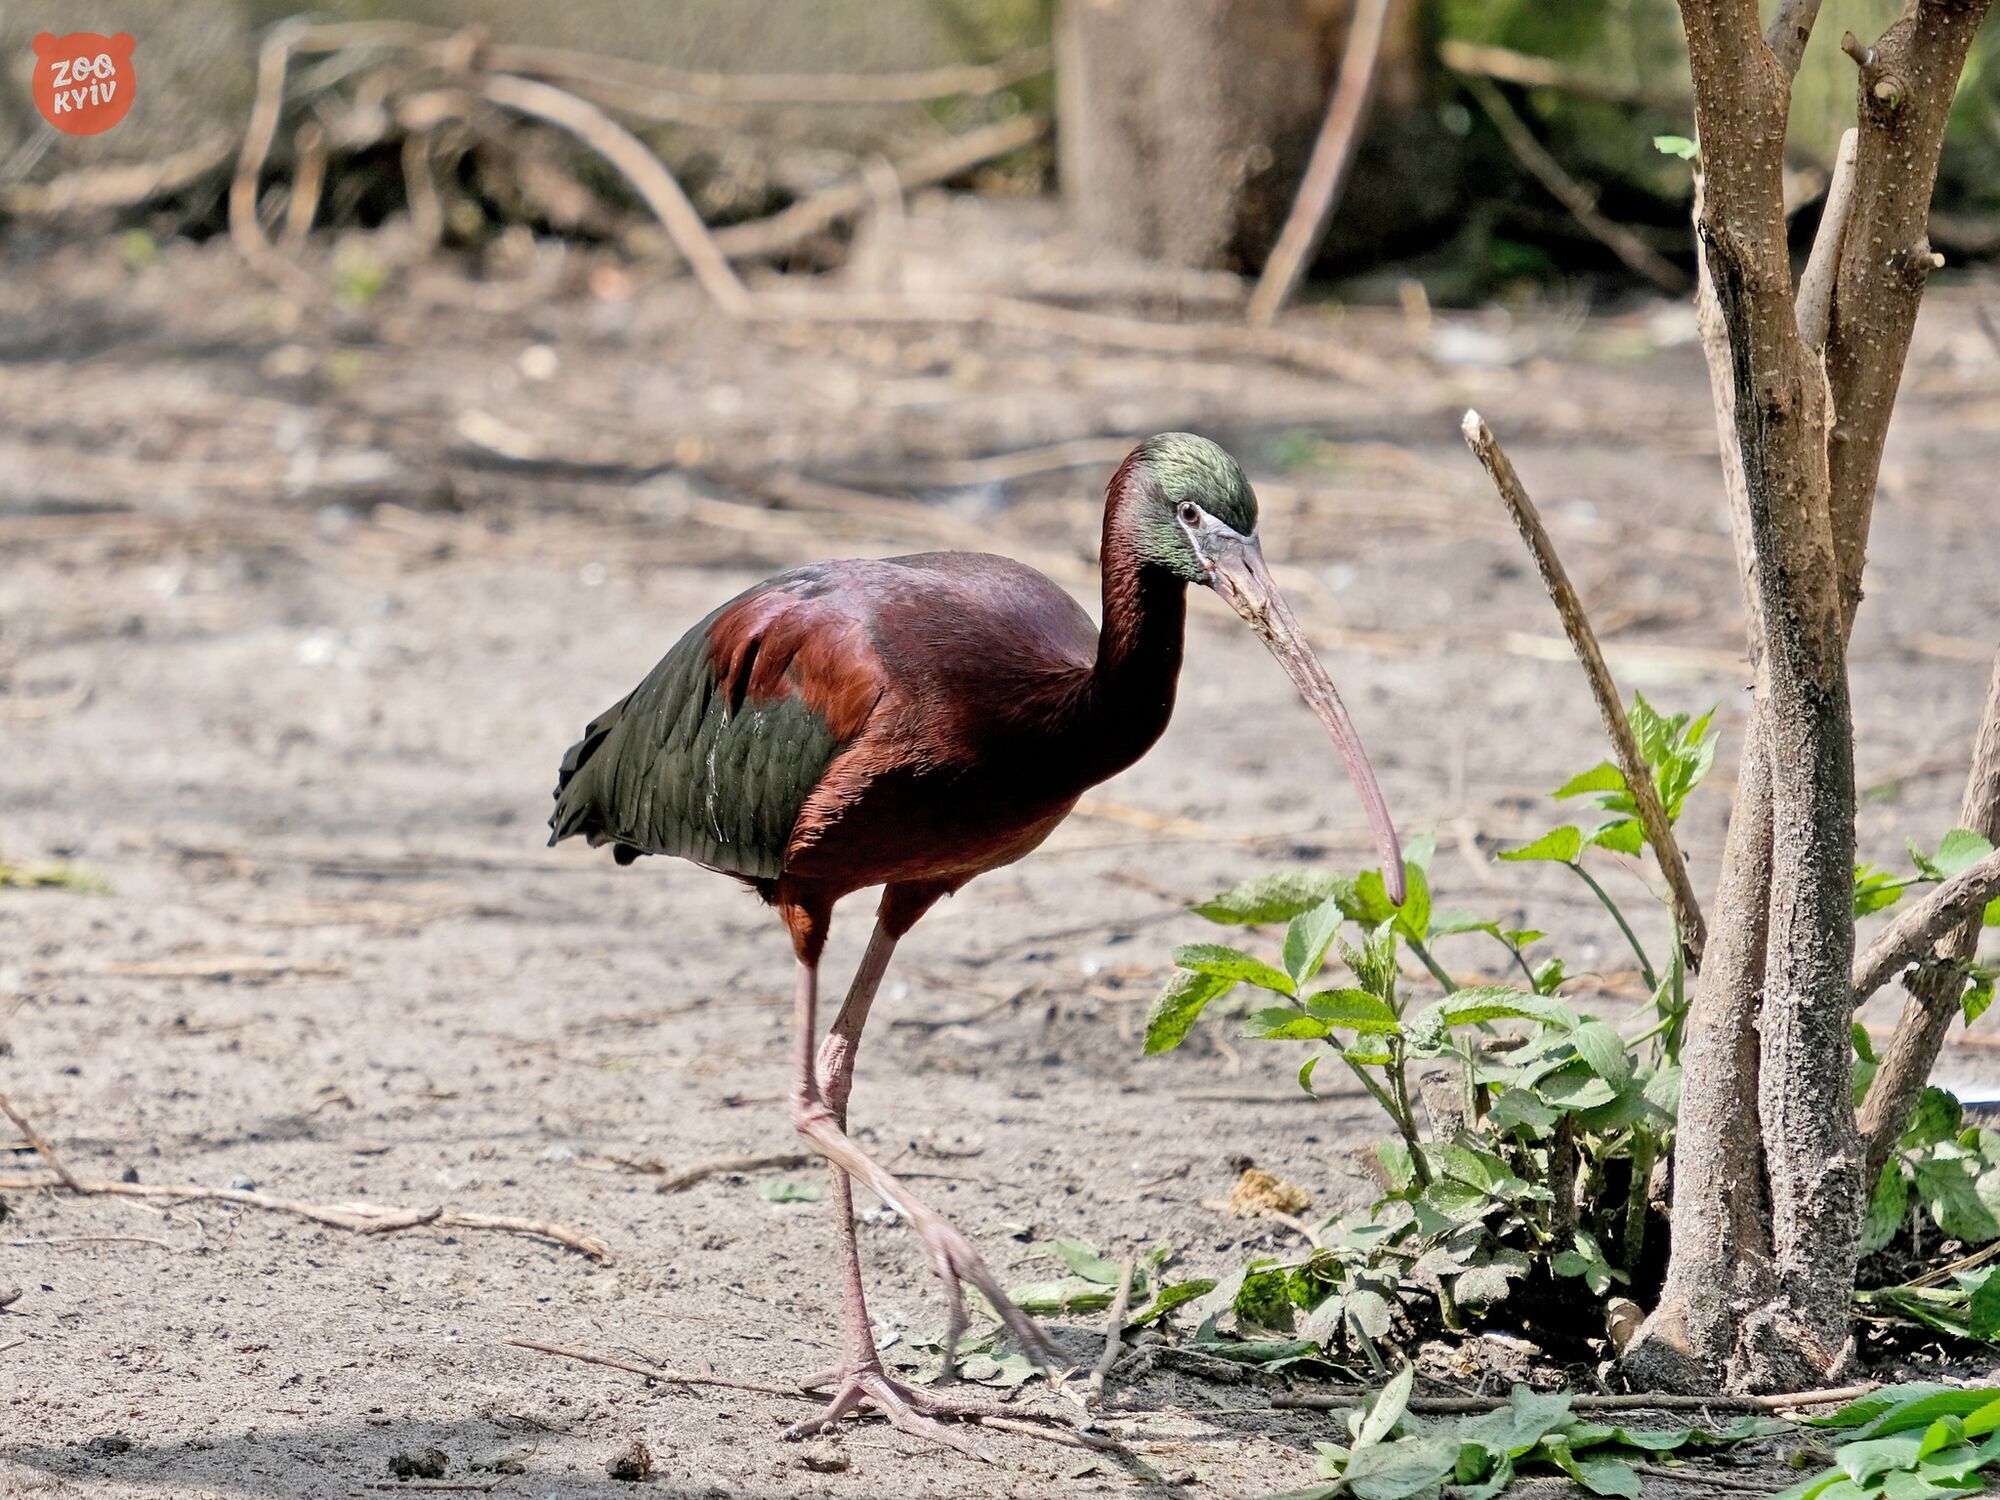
[(1909, 1442), (1541, 1172), (1392, 1455)]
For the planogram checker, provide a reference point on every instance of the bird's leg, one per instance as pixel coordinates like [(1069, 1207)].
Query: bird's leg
[(820, 1113)]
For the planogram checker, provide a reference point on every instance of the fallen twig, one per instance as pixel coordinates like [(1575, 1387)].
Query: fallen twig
[(656, 1372), (779, 1162), (652, 181), (1638, 776), (1566, 190), (1319, 191), (790, 226), (1114, 1329), (358, 1218), (1923, 922), (1535, 72)]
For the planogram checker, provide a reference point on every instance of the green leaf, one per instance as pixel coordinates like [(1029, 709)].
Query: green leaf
[(1863, 1410), (1308, 937), (1083, 1260), (1866, 1461), (1602, 777), (785, 1190), (1601, 1476), (1888, 1207), (1169, 1298), (1269, 898), (1387, 1408), (1306, 1072), (1675, 145), (1498, 1002), (1978, 996), (1521, 1109), (1603, 1051), (1620, 836), (1946, 1187), (1404, 1468), (1281, 1023), (1177, 1006), (1354, 1010), (1234, 965), (1958, 850), (1558, 845), (1919, 1405), (1875, 889), (1936, 1118)]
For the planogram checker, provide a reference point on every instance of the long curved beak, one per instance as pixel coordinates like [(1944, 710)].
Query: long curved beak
[(1237, 572)]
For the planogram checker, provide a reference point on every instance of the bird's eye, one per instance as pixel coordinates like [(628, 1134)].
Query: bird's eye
[(1189, 512)]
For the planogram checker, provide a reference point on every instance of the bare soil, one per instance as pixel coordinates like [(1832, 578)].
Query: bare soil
[(299, 609)]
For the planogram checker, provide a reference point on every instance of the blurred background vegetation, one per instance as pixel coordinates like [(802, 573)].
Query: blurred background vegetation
[(1180, 138)]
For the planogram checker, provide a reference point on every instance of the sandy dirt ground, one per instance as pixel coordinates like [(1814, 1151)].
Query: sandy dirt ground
[(297, 616)]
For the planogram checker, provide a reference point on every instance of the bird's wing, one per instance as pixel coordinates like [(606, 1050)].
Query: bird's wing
[(712, 756)]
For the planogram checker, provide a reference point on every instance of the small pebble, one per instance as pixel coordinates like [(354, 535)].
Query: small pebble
[(823, 1456), (427, 1464), (634, 1464), (108, 1443)]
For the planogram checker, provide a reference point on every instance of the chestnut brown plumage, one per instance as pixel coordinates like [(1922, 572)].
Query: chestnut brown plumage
[(910, 723)]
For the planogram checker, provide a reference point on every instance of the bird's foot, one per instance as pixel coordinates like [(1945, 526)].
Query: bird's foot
[(919, 1413), (956, 1262)]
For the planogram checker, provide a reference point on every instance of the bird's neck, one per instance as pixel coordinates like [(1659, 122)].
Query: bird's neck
[(1138, 648)]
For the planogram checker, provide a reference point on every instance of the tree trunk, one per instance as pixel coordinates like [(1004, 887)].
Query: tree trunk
[(1184, 125), (1770, 1176)]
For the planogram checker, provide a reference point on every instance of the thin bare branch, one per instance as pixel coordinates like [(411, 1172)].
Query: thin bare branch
[(1573, 195), (1114, 1329), (652, 181), (1589, 1401), (1319, 191), (1791, 29), (791, 226), (1922, 923), (358, 1218), (1569, 607), (586, 68), (1815, 296), (1935, 989), (42, 1148), (657, 1372)]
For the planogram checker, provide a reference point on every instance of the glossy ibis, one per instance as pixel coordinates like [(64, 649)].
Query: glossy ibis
[(911, 723)]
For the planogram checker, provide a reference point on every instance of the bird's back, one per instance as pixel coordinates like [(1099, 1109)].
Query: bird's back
[(714, 755)]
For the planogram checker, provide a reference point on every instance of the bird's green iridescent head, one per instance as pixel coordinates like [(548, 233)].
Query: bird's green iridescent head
[(1184, 494)]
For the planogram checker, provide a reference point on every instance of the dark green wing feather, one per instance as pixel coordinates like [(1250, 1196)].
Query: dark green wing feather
[(712, 756)]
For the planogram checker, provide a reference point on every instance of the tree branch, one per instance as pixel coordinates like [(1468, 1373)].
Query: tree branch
[(1790, 29), (1319, 191), (1815, 297), (1904, 940), (1638, 776), (1934, 989)]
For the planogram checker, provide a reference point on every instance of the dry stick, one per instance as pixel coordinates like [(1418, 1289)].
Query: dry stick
[(1903, 941), (1320, 189), (1934, 991), (656, 1372), (1815, 296), (1566, 190), (267, 111), (807, 217), (776, 88), (358, 1218), (120, 186), (355, 1218), (687, 1179), (1576, 624), (1628, 1401), (1114, 1328), (653, 182), (42, 1148)]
